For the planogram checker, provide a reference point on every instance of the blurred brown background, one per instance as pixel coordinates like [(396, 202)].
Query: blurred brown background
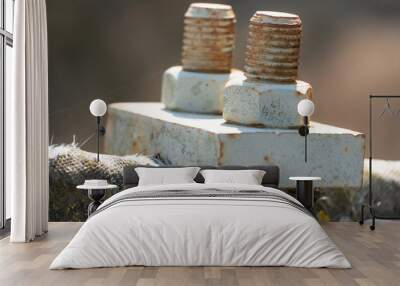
[(118, 50)]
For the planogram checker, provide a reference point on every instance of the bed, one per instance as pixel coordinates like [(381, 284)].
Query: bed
[(198, 224)]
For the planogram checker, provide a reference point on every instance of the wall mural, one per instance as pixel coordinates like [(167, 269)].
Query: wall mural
[(208, 113)]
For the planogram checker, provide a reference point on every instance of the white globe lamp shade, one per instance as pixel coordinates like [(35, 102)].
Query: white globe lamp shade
[(305, 107), (98, 107)]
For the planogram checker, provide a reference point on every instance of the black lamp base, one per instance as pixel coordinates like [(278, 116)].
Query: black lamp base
[(304, 131), (100, 132)]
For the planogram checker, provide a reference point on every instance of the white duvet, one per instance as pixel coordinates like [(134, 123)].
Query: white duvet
[(200, 231)]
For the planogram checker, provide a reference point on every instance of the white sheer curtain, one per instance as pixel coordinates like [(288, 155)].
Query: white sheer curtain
[(27, 124)]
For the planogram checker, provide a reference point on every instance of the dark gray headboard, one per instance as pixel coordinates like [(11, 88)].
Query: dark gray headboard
[(271, 177)]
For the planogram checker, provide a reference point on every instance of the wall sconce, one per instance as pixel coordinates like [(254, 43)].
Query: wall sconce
[(305, 108), (98, 108)]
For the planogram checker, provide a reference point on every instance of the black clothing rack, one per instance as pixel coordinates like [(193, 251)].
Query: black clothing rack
[(370, 205)]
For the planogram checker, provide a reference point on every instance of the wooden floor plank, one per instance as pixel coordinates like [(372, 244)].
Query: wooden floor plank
[(375, 257)]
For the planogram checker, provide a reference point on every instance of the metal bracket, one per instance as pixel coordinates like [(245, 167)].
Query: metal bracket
[(102, 131)]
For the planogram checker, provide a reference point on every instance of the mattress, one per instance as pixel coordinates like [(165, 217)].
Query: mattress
[(201, 225)]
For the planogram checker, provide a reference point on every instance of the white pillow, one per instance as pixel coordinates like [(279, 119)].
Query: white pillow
[(248, 177), (165, 176)]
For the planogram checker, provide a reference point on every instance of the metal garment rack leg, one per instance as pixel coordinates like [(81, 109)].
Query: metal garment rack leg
[(370, 206)]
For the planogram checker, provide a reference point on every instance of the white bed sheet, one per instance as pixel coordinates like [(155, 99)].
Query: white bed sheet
[(200, 231)]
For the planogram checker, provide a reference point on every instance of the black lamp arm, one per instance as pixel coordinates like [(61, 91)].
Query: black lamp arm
[(100, 132), (304, 131)]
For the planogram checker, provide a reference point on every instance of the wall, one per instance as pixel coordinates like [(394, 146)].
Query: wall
[(117, 51)]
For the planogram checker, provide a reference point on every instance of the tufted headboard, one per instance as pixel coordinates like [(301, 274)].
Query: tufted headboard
[(270, 179)]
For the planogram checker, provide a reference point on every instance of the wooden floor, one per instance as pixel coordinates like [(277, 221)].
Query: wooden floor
[(375, 257)]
